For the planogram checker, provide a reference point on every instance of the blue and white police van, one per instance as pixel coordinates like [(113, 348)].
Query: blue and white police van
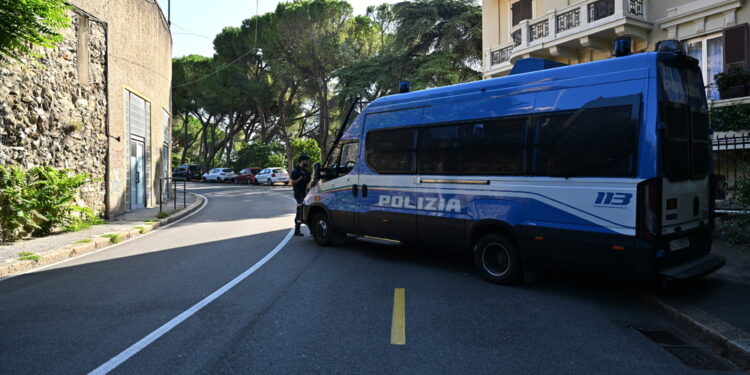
[(602, 167)]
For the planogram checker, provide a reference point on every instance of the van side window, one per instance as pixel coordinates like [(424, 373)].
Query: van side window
[(440, 152), (595, 142), (495, 147), (391, 150), (541, 140)]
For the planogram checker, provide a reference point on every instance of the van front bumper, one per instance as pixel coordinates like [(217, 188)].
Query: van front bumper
[(694, 268)]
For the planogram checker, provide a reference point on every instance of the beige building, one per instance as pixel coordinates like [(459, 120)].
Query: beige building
[(576, 31), (97, 103), (139, 76)]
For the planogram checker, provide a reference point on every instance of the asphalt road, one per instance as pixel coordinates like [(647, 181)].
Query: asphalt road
[(311, 309)]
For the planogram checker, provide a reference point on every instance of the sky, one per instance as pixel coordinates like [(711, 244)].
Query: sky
[(195, 23)]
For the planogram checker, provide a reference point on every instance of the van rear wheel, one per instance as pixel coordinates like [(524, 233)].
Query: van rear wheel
[(497, 259)]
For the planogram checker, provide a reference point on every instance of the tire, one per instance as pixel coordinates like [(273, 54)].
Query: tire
[(286, 183), (322, 230), (204, 179), (218, 179), (497, 259), (269, 182)]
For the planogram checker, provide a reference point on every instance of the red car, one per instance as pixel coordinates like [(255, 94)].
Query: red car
[(247, 176)]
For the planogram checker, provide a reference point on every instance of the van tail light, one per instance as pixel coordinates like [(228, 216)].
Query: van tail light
[(649, 209), (273, 175)]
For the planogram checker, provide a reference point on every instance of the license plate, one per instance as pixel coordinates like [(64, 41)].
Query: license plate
[(679, 243)]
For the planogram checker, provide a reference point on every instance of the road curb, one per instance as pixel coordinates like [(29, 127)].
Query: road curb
[(733, 341), (16, 267)]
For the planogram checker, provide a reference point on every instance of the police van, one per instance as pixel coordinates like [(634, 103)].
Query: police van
[(602, 167)]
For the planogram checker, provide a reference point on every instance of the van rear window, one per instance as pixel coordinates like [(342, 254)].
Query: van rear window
[(687, 145)]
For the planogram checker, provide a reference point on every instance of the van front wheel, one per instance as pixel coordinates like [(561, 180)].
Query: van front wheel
[(322, 230), (497, 259)]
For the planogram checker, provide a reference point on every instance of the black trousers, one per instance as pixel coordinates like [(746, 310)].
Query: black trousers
[(299, 197)]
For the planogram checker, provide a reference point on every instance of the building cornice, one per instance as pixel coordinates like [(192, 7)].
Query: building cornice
[(695, 11)]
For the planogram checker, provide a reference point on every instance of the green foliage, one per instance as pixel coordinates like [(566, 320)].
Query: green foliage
[(28, 23), (36, 201), (736, 76), (277, 160), (257, 154), (736, 227), (113, 237), (732, 117), (141, 229), (84, 219), (25, 255), (305, 146), (163, 214), (85, 240)]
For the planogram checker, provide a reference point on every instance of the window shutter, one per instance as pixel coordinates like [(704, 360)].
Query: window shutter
[(736, 46), (516, 10), (526, 13), (521, 10)]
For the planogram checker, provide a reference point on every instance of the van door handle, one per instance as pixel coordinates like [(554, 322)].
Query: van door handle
[(364, 191), (137, 177), (355, 189)]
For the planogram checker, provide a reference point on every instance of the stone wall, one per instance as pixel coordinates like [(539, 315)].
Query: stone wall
[(51, 114)]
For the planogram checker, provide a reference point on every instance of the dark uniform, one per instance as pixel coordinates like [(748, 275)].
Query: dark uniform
[(300, 190)]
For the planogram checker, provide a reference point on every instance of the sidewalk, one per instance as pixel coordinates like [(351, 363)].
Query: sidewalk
[(63, 245), (718, 306)]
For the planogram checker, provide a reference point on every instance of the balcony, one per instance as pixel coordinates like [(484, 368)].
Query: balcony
[(563, 32)]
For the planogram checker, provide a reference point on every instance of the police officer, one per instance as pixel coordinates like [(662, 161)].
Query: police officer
[(300, 180)]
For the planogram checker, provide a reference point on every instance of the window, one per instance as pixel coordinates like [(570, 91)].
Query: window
[(137, 114), (520, 10), (348, 157), (495, 147), (391, 150), (709, 51), (686, 153), (598, 140), (492, 147), (441, 150)]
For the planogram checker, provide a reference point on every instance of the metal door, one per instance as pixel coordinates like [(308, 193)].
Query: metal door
[(137, 176)]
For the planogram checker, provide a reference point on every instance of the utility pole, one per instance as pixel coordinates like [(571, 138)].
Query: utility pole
[(169, 12)]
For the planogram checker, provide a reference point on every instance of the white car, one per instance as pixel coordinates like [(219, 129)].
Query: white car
[(219, 175), (270, 176)]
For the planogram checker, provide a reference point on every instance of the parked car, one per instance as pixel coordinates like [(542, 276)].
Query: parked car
[(219, 175), (273, 175), (247, 176), (188, 171)]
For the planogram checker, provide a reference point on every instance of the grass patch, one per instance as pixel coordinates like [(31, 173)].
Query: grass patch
[(85, 240), (141, 229), (25, 255), (163, 214), (113, 237), (151, 220), (79, 225)]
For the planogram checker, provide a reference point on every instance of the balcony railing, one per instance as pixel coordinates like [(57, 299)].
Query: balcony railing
[(539, 30), (569, 20), (500, 56), (601, 9), (636, 8)]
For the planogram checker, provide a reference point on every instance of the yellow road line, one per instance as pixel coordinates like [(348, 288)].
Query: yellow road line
[(398, 322)]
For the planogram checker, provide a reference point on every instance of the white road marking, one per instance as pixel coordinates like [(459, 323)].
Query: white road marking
[(161, 331), (205, 202)]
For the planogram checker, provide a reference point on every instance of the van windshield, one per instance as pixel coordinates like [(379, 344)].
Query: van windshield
[(686, 149)]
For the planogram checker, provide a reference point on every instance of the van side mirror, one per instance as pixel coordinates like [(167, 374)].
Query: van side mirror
[(316, 171)]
